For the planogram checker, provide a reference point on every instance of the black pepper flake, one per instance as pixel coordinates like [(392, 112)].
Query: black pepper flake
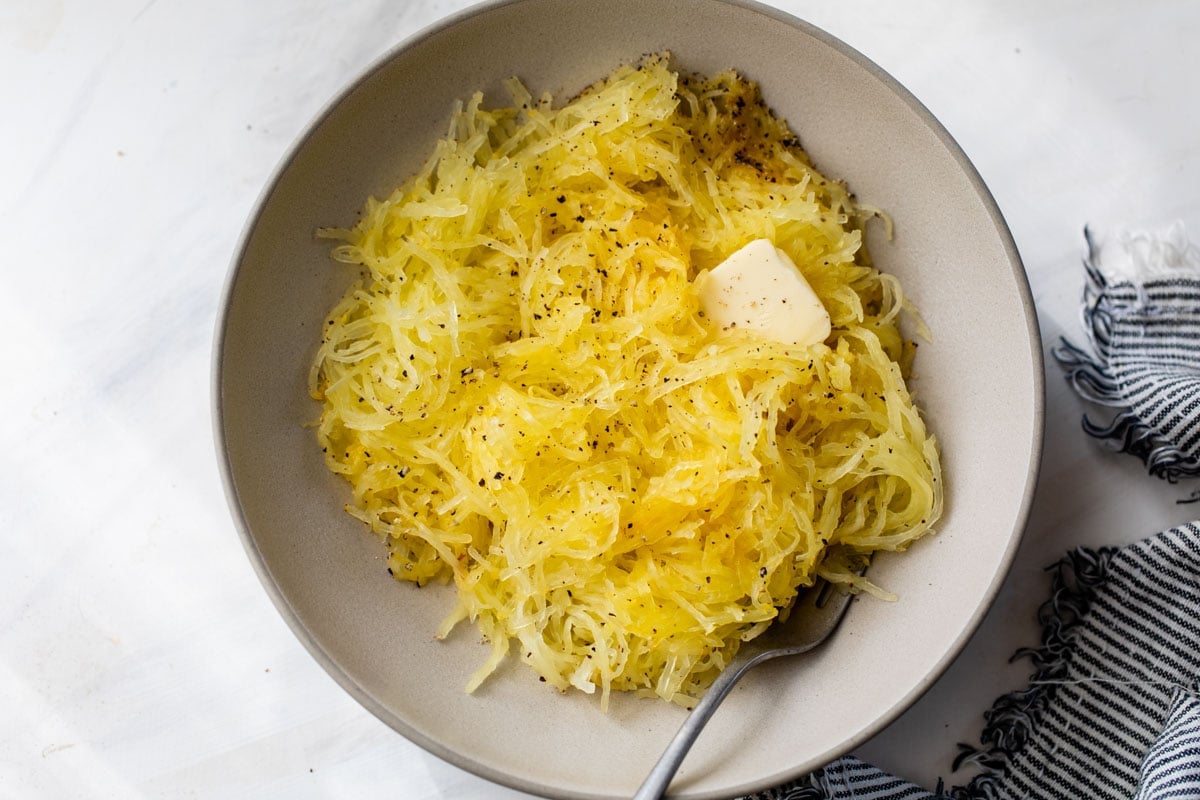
[(762, 572)]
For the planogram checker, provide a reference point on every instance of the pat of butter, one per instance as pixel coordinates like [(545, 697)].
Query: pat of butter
[(761, 289)]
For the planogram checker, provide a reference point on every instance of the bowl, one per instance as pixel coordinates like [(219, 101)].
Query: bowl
[(978, 381)]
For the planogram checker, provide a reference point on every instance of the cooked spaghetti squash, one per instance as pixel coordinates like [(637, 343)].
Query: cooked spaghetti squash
[(528, 402)]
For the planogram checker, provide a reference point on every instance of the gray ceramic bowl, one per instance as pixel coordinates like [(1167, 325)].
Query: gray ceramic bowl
[(979, 382)]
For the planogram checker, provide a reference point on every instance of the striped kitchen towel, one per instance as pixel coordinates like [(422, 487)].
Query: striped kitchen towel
[(1112, 709), (1141, 313)]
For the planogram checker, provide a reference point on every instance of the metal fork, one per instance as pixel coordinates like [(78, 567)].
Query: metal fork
[(814, 616)]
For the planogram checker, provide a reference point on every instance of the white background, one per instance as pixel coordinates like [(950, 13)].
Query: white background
[(139, 656)]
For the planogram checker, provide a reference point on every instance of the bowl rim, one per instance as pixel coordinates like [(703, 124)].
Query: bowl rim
[(327, 661)]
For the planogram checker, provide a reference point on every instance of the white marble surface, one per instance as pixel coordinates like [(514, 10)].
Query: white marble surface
[(139, 657)]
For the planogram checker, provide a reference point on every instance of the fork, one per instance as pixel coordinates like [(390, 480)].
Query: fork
[(814, 616)]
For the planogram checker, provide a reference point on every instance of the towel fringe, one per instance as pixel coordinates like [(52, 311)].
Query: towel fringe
[(1013, 718), (811, 787), (1096, 311), (1088, 377), (1126, 432)]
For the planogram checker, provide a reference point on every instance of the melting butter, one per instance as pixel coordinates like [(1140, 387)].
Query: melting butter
[(761, 289)]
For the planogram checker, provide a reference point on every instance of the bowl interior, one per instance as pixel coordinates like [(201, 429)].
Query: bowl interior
[(978, 382)]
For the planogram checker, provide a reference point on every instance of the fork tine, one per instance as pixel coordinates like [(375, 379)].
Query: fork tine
[(821, 591)]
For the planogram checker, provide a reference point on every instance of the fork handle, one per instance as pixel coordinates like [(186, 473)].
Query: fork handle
[(656, 783)]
